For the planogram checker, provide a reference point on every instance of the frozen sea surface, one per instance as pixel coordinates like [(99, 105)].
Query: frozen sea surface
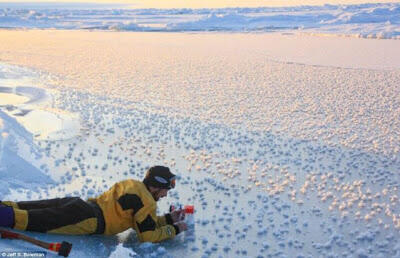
[(365, 20), (280, 159)]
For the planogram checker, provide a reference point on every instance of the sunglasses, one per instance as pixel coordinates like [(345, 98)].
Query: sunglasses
[(164, 181)]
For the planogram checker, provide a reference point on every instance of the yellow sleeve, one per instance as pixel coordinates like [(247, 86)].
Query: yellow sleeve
[(149, 229), (164, 220)]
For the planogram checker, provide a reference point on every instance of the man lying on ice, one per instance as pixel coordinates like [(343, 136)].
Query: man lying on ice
[(128, 204)]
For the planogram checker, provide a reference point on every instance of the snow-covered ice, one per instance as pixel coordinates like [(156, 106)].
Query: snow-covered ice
[(31, 107), (283, 153)]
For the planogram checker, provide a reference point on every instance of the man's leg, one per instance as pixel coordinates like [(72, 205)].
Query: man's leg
[(39, 204), (71, 216), (7, 214)]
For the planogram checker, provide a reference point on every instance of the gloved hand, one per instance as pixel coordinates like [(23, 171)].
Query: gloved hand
[(178, 215), (182, 226)]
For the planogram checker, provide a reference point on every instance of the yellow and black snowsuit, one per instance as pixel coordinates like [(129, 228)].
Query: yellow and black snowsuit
[(128, 204)]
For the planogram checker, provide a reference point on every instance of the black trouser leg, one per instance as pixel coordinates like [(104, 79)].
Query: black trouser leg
[(69, 215), (40, 204)]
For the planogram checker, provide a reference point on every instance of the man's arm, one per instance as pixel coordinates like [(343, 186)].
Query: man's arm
[(164, 220), (148, 229)]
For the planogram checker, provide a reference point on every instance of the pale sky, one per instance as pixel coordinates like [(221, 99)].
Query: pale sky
[(208, 3)]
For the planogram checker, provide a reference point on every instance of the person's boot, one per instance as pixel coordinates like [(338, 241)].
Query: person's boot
[(7, 217)]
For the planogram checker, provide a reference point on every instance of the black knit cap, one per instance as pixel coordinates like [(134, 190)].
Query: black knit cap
[(159, 176)]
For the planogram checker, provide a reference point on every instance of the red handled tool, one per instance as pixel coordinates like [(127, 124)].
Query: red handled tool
[(187, 209), (63, 248)]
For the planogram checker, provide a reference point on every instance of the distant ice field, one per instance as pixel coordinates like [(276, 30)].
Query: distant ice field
[(365, 20)]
